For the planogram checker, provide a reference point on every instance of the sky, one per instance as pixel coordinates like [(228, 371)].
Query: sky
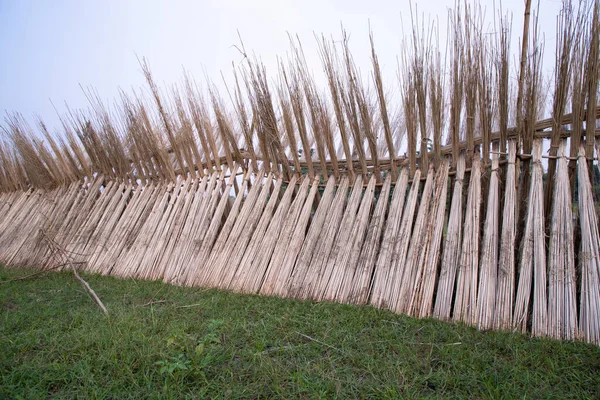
[(50, 49)]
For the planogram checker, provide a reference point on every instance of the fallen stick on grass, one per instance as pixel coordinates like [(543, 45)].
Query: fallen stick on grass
[(190, 305), (151, 302), (89, 289), (58, 251), (318, 341)]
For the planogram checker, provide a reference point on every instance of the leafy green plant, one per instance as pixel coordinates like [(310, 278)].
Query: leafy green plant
[(170, 366), (192, 355)]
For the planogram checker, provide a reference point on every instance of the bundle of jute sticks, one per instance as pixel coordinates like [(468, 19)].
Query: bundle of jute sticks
[(350, 244)]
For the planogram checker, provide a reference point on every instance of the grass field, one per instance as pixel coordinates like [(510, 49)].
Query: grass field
[(162, 341)]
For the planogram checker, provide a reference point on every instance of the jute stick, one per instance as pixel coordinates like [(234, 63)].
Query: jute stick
[(452, 243), (488, 270), (589, 256), (465, 305), (506, 268), (384, 267), (562, 308)]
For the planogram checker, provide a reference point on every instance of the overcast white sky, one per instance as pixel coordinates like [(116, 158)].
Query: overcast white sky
[(49, 48)]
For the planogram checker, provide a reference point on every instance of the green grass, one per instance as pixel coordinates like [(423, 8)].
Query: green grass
[(194, 343)]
